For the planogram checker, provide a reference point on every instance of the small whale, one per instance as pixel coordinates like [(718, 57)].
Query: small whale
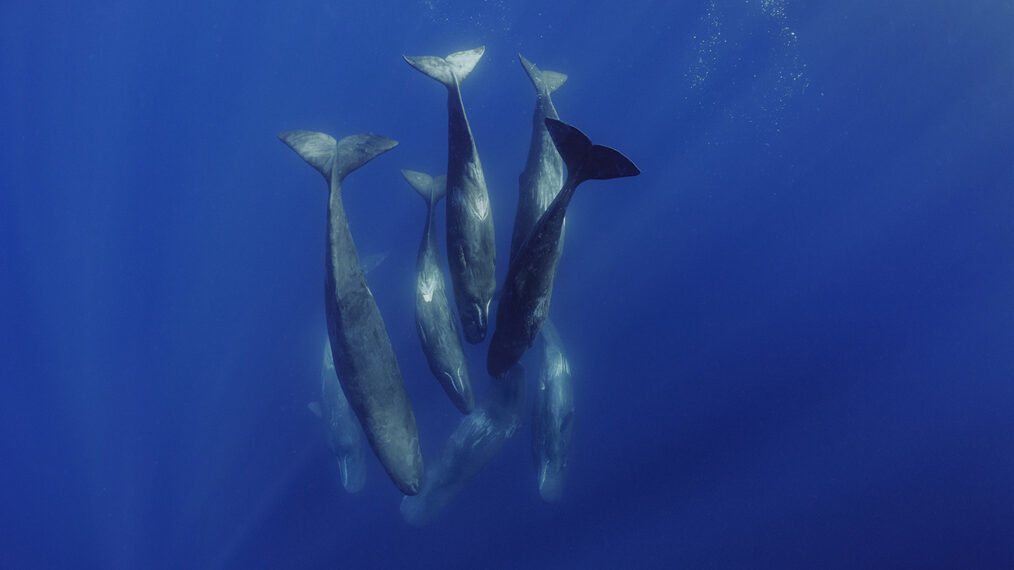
[(528, 288), (476, 440), (471, 247), (543, 174), (363, 356), (552, 417), (434, 320), (344, 434)]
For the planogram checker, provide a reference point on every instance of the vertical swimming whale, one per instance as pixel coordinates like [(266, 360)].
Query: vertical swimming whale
[(552, 416), (542, 177), (343, 432), (364, 358), (528, 288), (476, 440), (471, 247), (434, 320)]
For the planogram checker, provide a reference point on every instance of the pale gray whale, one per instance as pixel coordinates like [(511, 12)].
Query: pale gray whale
[(552, 416), (471, 247), (364, 358), (434, 319)]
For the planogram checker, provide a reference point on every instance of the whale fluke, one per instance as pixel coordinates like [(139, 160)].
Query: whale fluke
[(428, 187), (446, 69), (544, 81), (587, 161), (321, 150)]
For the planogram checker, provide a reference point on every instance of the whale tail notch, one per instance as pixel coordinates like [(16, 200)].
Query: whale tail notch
[(336, 158), (544, 81), (587, 161), (446, 70), (431, 189)]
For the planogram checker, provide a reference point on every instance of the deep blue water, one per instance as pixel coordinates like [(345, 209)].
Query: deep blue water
[(792, 335)]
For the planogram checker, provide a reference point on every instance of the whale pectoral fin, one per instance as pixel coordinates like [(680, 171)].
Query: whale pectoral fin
[(315, 408)]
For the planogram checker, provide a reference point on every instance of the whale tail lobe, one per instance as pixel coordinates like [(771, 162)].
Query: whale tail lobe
[(544, 81), (431, 189), (336, 159), (587, 161), (447, 70)]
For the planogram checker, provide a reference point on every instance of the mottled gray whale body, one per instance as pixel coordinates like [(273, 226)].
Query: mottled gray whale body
[(345, 437), (552, 416), (434, 319), (542, 177), (528, 288), (476, 440), (471, 247), (364, 358)]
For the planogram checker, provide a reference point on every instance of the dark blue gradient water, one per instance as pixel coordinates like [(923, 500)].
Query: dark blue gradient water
[(792, 336)]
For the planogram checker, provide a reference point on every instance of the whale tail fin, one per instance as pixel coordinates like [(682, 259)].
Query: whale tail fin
[(544, 81), (431, 189), (336, 158), (587, 161), (446, 69)]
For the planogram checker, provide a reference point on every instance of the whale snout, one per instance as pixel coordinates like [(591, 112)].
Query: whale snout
[(473, 320), (459, 388)]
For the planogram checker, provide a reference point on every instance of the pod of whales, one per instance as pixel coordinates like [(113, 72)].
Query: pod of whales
[(528, 287), (363, 355), (434, 320), (361, 376), (471, 247)]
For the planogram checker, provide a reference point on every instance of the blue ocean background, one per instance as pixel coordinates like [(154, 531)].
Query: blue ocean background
[(792, 336)]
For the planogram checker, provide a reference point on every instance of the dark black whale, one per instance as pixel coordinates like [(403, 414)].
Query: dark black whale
[(363, 355), (528, 288)]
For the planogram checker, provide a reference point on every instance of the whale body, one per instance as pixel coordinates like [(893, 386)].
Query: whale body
[(542, 177), (364, 358), (552, 416), (345, 437), (528, 288), (471, 246), (476, 440), (434, 319)]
